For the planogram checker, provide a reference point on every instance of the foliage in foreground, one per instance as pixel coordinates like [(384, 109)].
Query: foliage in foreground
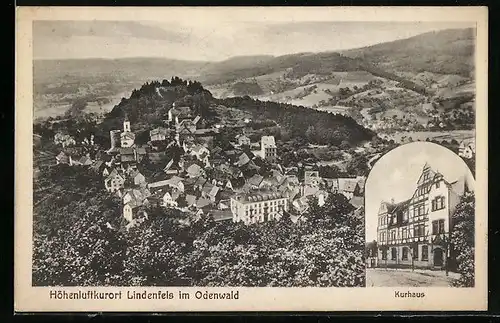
[(326, 250), (463, 237)]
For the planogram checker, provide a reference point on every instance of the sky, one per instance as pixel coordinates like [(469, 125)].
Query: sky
[(396, 173), (213, 39)]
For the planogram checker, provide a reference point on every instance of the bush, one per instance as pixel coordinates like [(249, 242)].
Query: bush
[(463, 239)]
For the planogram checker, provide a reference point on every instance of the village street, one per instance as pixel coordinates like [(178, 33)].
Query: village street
[(381, 277)]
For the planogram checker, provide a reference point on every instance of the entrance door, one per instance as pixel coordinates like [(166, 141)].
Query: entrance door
[(438, 257)]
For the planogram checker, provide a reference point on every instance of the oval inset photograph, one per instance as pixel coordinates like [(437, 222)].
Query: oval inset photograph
[(420, 207)]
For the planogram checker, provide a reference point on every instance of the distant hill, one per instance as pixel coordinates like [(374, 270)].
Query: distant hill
[(298, 64), (247, 88), (448, 51), (148, 106), (138, 68), (432, 64)]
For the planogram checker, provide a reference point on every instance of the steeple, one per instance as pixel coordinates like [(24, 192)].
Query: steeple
[(126, 124)]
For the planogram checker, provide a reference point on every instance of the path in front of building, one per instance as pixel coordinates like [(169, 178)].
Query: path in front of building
[(381, 277)]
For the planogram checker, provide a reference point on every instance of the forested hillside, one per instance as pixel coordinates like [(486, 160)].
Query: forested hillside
[(445, 52)]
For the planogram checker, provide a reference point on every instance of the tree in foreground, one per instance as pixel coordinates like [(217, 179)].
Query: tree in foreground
[(463, 238)]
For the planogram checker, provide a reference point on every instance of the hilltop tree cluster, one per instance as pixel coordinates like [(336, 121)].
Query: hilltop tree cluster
[(326, 128)]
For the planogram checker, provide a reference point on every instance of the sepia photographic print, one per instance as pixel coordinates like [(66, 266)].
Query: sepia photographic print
[(215, 159)]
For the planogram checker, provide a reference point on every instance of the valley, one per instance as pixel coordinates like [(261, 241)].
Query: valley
[(432, 93)]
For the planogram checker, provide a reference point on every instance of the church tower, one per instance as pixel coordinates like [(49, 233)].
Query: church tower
[(126, 124)]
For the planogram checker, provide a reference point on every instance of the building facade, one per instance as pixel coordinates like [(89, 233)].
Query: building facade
[(127, 137), (467, 149), (416, 232), (258, 206), (268, 148)]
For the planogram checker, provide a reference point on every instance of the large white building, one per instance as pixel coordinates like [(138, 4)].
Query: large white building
[(268, 148), (416, 231), (258, 206)]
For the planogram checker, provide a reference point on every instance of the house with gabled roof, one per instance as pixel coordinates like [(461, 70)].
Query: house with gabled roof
[(244, 140), (349, 187), (133, 214), (190, 200), (158, 134), (200, 183), (186, 127), (137, 178), (173, 182), (169, 199), (85, 160), (210, 192), (136, 196), (140, 154), (114, 181), (311, 177), (200, 152), (202, 202), (301, 204), (243, 159), (62, 158), (172, 168), (178, 113), (194, 171), (467, 148), (416, 232), (255, 181)]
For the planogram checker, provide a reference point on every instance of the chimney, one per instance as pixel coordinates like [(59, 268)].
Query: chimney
[(392, 200)]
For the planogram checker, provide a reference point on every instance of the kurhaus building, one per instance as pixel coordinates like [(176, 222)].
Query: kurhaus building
[(416, 232), (258, 206)]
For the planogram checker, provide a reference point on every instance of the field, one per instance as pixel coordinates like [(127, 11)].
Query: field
[(458, 135), (337, 109)]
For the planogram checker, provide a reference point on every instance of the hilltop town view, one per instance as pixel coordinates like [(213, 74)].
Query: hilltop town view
[(248, 171)]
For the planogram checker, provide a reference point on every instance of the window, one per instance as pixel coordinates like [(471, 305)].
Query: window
[(384, 254), (405, 215), (425, 252), (438, 203), (419, 230), (405, 233), (441, 226), (419, 210), (393, 253), (405, 253), (415, 252), (437, 184), (434, 227)]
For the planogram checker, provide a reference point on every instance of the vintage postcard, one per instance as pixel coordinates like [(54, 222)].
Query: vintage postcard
[(251, 159)]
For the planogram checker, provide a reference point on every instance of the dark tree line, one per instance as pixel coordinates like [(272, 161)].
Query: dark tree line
[(324, 128)]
